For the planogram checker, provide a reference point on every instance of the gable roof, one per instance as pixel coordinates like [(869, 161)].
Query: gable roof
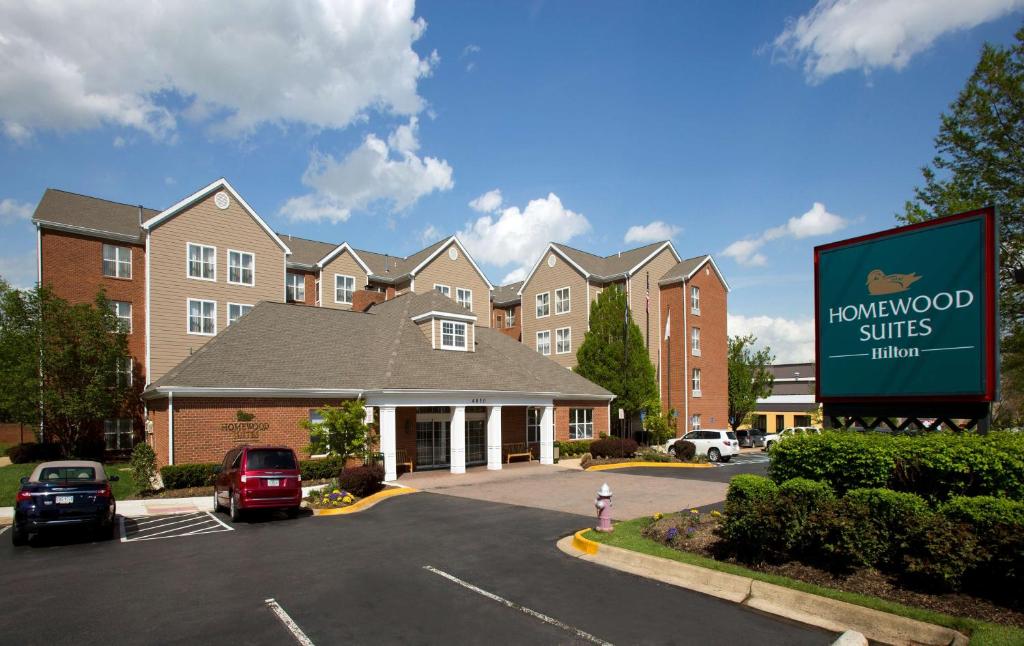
[(685, 270), (220, 184), (87, 215), (507, 294), (344, 246), (390, 353), (604, 269), (305, 252)]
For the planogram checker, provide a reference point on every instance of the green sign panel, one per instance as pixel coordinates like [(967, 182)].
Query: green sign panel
[(908, 314)]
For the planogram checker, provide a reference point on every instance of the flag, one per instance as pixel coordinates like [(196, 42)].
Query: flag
[(668, 324), (648, 293)]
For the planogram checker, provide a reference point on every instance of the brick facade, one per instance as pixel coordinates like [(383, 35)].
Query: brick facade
[(499, 317), (363, 299)]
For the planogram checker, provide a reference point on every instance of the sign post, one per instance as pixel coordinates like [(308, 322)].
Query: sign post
[(906, 323)]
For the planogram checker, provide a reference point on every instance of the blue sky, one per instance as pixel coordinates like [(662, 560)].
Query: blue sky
[(750, 131)]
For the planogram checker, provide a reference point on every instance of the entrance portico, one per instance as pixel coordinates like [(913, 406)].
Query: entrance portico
[(456, 429)]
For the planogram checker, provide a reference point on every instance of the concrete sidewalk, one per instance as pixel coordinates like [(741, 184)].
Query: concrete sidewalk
[(153, 506)]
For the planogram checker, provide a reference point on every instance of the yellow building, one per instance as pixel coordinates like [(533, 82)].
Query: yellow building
[(791, 402)]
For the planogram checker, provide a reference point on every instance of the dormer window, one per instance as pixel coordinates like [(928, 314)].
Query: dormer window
[(453, 335)]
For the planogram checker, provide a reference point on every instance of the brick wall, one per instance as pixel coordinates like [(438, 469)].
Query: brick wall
[(14, 433), (562, 417), (498, 316), (363, 299)]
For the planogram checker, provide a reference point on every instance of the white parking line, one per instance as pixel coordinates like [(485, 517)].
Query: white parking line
[(289, 623), (4, 528), (174, 526), (223, 524), (523, 609)]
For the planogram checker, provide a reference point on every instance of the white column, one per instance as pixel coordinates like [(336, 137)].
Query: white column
[(387, 442), (494, 438), (458, 439), (369, 414), (547, 435)]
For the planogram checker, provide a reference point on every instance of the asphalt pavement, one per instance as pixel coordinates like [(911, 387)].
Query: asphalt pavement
[(418, 569), (756, 463)]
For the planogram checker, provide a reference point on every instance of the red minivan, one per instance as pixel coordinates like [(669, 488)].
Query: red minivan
[(258, 477)]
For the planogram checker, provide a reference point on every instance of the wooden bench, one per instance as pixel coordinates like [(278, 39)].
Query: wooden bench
[(517, 450), (402, 459)]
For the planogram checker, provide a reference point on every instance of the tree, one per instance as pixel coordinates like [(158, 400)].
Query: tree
[(750, 377), (603, 357), (979, 162), (343, 430), (19, 359)]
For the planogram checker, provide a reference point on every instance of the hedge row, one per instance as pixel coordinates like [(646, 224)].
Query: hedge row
[(937, 466), (974, 543), (613, 447), (183, 476), (572, 448), (33, 452)]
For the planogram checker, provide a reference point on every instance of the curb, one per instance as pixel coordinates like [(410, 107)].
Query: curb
[(656, 465), (365, 503), (804, 607)]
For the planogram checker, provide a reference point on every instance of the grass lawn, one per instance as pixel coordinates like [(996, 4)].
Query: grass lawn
[(627, 536), (11, 475), (3, 448)]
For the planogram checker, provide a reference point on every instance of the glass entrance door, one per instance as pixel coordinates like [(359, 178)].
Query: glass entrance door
[(432, 443), (476, 437)]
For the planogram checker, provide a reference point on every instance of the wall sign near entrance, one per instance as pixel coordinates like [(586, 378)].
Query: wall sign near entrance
[(244, 430), (909, 314)]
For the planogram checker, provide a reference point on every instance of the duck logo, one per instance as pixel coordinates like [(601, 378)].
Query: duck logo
[(879, 283)]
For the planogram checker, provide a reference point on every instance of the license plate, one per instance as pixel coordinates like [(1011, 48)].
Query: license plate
[(65, 500), (273, 483)]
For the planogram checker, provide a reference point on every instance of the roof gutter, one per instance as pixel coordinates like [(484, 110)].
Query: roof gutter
[(99, 233)]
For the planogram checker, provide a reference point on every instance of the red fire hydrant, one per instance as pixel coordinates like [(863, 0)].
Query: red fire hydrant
[(604, 509)]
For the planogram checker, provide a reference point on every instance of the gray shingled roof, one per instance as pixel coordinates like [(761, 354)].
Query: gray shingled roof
[(394, 267), (91, 214), (306, 251), (379, 349), (507, 294), (682, 269), (609, 266)]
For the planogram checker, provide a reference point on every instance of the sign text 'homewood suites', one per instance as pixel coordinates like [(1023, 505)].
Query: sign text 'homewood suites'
[(908, 312)]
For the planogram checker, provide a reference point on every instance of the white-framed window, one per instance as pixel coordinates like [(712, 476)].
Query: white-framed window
[(563, 340), (295, 287), (444, 290), (544, 342), (344, 287), (237, 311), (453, 335), (117, 434), (695, 422), (123, 372), (123, 311), (117, 261), (533, 425), (510, 318), (464, 297), (695, 341), (543, 305), (202, 262), (696, 382), (241, 268), (695, 299), (562, 302), (202, 317), (581, 423)]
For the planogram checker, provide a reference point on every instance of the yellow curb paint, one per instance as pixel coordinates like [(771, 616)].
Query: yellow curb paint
[(657, 465), (584, 545), (366, 502)]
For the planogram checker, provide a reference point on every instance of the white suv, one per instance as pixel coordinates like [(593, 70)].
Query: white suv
[(718, 445), (772, 438)]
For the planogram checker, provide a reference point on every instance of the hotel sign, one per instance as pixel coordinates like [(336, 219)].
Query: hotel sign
[(909, 314)]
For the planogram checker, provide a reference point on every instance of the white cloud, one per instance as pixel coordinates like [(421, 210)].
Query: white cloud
[(489, 202), (652, 232), (119, 142), (515, 237), (430, 235), (377, 172), (233, 65), (19, 271), (840, 35), (467, 52), (12, 211), (816, 222), (791, 340)]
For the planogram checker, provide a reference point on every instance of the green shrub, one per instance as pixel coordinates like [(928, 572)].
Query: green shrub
[(322, 469), (886, 522), (33, 452), (846, 460), (183, 476), (998, 525), (750, 525), (143, 466), (613, 447), (684, 449), (652, 455), (572, 448), (938, 552), (797, 500), (362, 481)]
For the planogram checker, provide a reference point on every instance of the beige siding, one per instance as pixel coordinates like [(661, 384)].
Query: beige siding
[(548, 279), (455, 274), (431, 329), (344, 264), (654, 269), (170, 286)]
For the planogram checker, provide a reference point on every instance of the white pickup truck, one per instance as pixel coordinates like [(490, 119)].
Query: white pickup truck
[(772, 438)]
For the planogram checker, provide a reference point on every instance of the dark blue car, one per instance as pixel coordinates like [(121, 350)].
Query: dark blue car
[(66, 493)]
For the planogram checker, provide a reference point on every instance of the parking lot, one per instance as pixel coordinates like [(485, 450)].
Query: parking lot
[(425, 568)]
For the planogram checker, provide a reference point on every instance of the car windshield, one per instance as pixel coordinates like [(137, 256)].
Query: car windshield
[(76, 474), (270, 459), (730, 435)]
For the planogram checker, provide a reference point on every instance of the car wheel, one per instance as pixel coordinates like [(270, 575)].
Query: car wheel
[(672, 450), (714, 455), (234, 511), (768, 446), (216, 503), (18, 536)]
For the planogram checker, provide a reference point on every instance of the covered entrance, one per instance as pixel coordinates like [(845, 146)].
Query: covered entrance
[(433, 436)]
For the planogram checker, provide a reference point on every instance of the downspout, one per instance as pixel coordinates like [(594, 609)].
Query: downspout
[(686, 365), (170, 427), (39, 284)]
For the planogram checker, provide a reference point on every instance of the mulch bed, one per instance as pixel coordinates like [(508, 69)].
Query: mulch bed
[(198, 492), (702, 540)]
